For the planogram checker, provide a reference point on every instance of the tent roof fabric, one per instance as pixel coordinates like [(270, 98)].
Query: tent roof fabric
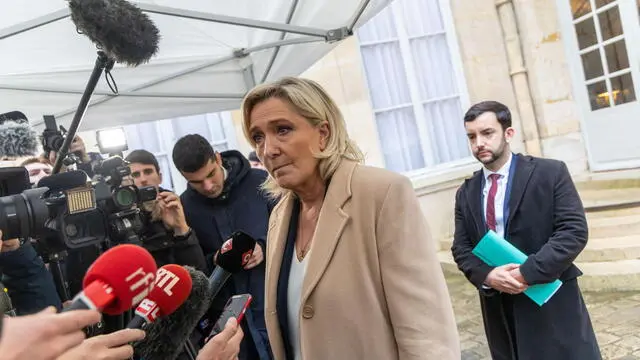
[(211, 53)]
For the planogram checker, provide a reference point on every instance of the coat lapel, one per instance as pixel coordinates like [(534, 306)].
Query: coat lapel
[(521, 178), (331, 223), (277, 239), (474, 199)]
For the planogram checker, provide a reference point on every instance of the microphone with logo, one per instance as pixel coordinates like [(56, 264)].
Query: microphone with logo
[(166, 337), (123, 33), (234, 254), (172, 287), (117, 281)]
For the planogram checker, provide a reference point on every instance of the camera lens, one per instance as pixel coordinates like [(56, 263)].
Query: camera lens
[(124, 197), (22, 215)]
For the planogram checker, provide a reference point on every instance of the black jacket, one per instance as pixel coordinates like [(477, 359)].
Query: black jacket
[(29, 284), (169, 249), (242, 206), (546, 221)]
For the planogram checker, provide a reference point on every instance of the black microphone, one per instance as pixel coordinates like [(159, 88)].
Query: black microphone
[(17, 138), (167, 336), (117, 27), (122, 33), (232, 257)]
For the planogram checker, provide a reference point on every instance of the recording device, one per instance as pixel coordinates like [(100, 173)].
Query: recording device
[(123, 34), (236, 306), (52, 139), (17, 138), (167, 336), (117, 281), (234, 254), (172, 287)]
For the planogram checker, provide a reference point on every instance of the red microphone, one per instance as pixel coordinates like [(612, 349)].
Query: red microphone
[(172, 288), (117, 281)]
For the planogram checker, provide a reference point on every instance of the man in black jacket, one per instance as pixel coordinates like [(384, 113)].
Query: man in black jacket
[(167, 236), (224, 196)]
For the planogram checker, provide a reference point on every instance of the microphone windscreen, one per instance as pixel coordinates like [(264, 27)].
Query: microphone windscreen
[(17, 140), (172, 288), (64, 181), (129, 270), (117, 27), (235, 253), (165, 338), (16, 116)]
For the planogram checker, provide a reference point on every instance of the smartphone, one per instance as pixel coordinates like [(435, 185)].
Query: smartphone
[(235, 307)]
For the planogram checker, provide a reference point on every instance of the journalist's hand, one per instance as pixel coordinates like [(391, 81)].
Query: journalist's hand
[(172, 212), (9, 245), (114, 346), (501, 279), (224, 346), (256, 257), (45, 335)]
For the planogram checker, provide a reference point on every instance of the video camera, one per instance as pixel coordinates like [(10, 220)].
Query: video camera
[(67, 211)]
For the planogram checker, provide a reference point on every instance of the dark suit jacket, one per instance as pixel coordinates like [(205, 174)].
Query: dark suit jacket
[(546, 221)]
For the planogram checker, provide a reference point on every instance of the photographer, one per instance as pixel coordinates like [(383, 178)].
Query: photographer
[(167, 236)]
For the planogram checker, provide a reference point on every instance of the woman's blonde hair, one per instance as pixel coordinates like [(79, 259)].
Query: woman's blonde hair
[(311, 101)]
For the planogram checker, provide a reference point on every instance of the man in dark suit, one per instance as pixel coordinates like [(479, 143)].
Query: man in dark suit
[(533, 204)]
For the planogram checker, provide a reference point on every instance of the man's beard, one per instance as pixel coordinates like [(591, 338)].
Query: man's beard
[(495, 155)]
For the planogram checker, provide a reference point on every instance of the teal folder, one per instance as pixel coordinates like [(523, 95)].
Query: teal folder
[(496, 251)]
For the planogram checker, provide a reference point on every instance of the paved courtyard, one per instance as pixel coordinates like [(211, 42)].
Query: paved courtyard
[(616, 318)]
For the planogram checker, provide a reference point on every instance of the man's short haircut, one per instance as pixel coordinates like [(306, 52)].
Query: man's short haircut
[(192, 152), (143, 157), (502, 112)]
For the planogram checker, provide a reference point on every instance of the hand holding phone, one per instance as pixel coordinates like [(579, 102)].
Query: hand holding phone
[(236, 307)]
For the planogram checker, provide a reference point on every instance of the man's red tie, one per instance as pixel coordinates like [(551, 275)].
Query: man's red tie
[(491, 201)]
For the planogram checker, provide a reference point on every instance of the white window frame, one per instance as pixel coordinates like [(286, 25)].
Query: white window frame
[(167, 137), (420, 176)]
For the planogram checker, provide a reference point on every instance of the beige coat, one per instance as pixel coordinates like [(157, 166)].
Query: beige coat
[(374, 288)]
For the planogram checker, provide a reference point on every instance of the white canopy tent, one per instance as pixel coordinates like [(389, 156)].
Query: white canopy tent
[(211, 53)]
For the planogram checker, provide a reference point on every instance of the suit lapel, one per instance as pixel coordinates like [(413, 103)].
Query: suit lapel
[(331, 223), (474, 199), (521, 177), (277, 240)]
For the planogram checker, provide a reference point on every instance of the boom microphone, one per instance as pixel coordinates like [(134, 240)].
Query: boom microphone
[(232, 257), (172, 287), (117, 281), (166, 337), (118, 28), (122, 33), (17, 138)]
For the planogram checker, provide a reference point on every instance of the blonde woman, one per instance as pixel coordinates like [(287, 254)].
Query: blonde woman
[(352, 271)]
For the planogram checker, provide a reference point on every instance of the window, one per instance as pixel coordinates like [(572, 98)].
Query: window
[(602, 47), (159, 137), (414, 78)]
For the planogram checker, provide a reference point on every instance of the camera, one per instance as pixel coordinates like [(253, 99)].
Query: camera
[(67, 211)]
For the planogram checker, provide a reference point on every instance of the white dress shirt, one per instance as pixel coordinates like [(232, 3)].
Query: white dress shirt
[(500, 194)]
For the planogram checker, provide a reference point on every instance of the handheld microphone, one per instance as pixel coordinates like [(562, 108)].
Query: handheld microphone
[(117, 281), (117, 27), (17, 138), (232, 257), (166, 337), (172, 287)]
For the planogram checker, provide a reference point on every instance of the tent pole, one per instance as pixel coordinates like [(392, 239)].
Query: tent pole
[(292, 11), (352, 23), (33, 23), (232, 20)]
